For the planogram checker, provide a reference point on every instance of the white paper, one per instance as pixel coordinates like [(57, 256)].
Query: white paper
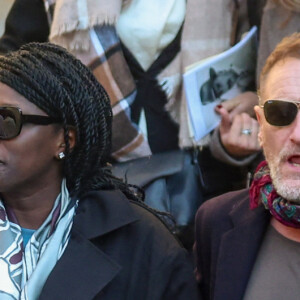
[(217, 79)]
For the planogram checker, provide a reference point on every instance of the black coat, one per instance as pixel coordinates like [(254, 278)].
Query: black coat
[(119, 250), (228, 237)]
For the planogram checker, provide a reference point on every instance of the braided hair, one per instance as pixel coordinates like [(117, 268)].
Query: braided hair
[(59, 84)]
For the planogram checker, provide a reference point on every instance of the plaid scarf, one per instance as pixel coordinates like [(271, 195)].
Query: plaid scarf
[(86, 31), (293, 5), (23, 272), (206, 32), (263, 191)]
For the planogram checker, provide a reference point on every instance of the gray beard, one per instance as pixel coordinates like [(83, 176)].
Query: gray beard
[(287, 188)]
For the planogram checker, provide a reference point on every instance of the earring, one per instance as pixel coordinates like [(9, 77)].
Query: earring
[(61, 155)]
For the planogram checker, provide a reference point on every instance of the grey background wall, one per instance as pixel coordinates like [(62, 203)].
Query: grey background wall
[(4, 8)]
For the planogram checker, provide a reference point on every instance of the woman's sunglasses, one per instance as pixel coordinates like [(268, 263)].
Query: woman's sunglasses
[(12, 119), (280, 112)]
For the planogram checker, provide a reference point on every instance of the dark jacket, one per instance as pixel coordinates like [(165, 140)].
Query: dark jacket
[(228, 237), (119, 250)]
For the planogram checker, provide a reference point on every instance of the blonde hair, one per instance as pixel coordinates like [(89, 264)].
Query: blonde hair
[(288, 47)]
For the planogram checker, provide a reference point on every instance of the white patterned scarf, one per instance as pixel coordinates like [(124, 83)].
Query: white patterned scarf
[(23, 272)]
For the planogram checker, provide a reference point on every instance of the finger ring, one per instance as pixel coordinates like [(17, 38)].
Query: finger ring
[(246, 131)]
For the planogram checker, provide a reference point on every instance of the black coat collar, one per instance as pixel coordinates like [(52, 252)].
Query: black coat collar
[(98, 213), (238, 250), (102, 212)]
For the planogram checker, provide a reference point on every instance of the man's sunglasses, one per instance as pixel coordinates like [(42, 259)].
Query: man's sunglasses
[(12, 119), (280, 112)]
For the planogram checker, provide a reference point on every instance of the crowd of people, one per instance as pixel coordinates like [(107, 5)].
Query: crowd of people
[(87, 86)]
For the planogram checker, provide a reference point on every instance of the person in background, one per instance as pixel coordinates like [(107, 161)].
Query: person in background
[(68, 228), (227, 153), (150, 51), (248, 241), (138, 50)]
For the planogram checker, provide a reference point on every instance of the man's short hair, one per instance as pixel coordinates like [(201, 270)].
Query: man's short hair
[(288, 47)]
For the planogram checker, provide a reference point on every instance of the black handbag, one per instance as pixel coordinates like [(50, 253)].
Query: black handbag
[(171, 184)]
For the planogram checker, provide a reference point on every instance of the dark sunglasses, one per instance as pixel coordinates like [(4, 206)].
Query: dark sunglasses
[(12, 119), (280, 112)]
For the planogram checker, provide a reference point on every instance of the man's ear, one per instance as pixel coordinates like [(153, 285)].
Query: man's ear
[(260, 140), (258, 112)]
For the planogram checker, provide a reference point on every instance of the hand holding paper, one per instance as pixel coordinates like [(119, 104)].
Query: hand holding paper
[(216, 80), (239, 133), (243, 102)]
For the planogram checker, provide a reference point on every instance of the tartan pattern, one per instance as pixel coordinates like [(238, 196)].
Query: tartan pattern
[(105, 59)]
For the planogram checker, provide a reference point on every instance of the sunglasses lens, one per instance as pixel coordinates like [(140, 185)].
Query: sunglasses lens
[(9, 122), (280, 113)]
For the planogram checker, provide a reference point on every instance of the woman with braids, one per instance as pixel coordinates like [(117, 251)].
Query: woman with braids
[(68, 228)]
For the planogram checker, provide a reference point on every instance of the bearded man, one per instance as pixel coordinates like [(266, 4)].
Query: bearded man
[(248, 242)]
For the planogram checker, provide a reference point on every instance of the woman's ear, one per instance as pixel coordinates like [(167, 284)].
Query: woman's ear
[(60, 151), (72, 138)]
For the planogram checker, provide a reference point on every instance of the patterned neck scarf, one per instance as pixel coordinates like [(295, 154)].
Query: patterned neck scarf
[(23, 272), (263, 191)]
